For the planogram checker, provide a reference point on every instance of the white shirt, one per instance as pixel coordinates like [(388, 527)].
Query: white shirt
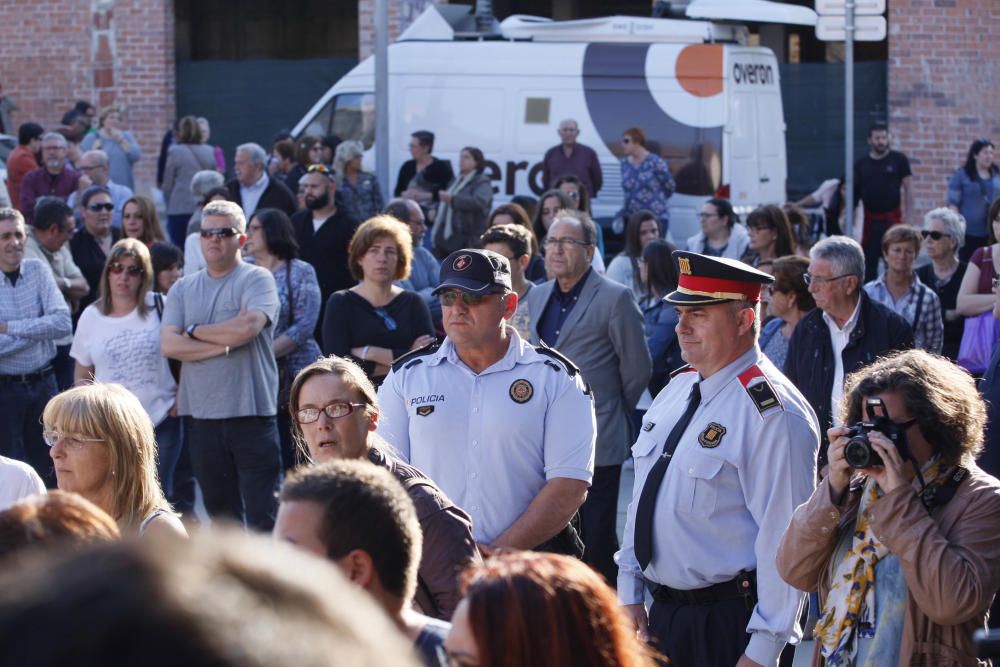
[(490, 441), (838, 340), (738, 472), (317, 223), (250, 196), (18, 480)]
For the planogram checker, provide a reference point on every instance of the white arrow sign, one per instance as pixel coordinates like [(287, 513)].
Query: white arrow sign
[(861, 7), (866, 28)]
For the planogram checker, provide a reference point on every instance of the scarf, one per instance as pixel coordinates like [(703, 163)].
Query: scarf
[(849, 610), (447, 210)]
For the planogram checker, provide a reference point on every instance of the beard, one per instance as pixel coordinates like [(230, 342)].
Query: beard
[(317, 203)]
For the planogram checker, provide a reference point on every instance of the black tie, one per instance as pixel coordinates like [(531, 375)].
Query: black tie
[(647, 499)]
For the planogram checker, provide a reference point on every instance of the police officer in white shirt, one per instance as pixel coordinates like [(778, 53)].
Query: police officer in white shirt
[(505, 429), (726, 452)]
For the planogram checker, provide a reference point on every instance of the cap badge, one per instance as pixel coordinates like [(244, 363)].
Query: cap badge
[(461, 262), (521, 391), (685, 265), (711, 436)]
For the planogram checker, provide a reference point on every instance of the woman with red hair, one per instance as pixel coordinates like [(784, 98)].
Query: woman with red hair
[(523, 609)]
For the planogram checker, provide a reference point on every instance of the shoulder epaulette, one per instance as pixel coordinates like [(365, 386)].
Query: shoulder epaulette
[(683, 369), (568, 365), (760, 390), (412, 358)]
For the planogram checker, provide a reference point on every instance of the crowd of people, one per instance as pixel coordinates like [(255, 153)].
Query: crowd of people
[(439, 395)]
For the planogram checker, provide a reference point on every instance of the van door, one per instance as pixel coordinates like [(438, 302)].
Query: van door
[(742, 150), (771, 148)]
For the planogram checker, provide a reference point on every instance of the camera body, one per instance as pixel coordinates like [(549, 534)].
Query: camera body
[(859, 452)]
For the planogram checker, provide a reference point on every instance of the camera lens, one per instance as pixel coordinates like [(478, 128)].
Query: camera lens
[(859, 453)]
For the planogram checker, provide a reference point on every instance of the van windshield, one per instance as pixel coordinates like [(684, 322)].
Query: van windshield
[(349, 116)]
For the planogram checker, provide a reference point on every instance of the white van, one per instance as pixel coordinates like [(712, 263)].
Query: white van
[(709, 103)]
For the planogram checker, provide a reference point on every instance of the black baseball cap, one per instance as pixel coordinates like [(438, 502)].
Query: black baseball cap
[(475, 271)]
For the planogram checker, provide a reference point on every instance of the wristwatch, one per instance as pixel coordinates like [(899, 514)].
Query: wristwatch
[(190, 331)]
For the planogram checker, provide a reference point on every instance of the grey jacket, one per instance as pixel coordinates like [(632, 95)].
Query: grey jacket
[(604, 336), (183, 162), (470, 210)]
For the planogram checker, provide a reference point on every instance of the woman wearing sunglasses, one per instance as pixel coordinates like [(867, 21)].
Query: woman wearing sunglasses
[(118, 340), (944, 234), (376, 321), (646, 179), (103, 448), (90, 246)]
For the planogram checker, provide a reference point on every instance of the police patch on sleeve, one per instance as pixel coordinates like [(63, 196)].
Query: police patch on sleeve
[(521, 391), (425, 410), (648, 426), (711, 436)]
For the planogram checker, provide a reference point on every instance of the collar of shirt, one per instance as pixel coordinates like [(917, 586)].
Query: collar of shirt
[(883, 290), (259, 186), (848, 326), (574, 292), (711, 386), (35, 245), (12, 276), (516, 349)]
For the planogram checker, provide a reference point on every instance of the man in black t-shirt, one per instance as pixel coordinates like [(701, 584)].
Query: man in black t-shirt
[(882, 184)]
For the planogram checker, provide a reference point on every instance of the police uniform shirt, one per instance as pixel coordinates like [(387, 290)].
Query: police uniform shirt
[(492, 440), (745, 461)]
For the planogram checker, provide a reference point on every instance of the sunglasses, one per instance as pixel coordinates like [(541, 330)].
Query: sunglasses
[(390, 323), (451, 298), (937, 236), (220, 233), (101, 207), (118, 268)]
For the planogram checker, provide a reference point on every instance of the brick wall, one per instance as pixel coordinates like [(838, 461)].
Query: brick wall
[(107, 52), (401, 14), (943, 73)]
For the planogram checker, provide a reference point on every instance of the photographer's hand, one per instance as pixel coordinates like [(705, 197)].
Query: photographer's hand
[(891, 475), (838, 472)]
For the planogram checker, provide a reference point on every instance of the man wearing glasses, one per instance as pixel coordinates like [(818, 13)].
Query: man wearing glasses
[(94, 167), (596, 323), (506, 429), (52, 178), (219, 322), (846, 330)]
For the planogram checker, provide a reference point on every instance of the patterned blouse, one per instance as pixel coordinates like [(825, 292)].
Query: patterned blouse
[(364, 199), (305, 308), (647, 185)]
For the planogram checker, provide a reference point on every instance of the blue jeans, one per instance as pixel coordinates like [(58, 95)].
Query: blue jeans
[(237, 463), (21, 423), (168, 450)]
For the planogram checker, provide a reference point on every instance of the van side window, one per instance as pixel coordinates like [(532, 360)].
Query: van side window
[(350, 116), (536, 110)]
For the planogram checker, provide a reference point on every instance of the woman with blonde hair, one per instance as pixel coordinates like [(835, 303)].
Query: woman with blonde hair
[(139, 220), (103, 448), (357, 188)]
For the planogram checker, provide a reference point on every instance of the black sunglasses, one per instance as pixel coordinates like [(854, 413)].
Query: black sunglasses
[(118, 268), (220, 233), (102, 207), (937, 236)]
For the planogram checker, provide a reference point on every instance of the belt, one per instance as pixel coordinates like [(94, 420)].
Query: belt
[(26, 377), (743, 585)]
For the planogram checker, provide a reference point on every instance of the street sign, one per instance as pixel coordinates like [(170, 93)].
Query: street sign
[(866, 28), (861, 7)]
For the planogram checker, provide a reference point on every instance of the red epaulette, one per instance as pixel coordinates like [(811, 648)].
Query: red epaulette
[(760, 389)]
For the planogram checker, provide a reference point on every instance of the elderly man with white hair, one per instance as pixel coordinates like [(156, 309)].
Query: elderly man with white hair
[(252, 188)]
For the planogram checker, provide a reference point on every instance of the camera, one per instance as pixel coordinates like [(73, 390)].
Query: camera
[(859, 452)]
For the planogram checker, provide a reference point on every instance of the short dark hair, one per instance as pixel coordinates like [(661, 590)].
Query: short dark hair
[(970, 160), (92, 192), (877, 127), (581, 190), (788, 272), (725, 210), (50, 211), (515, 237), (366, 508), (528, 203), (425, 138), (774, 217), (586, 223), (29, 131), (285, 148), (83, 106), (398, 209), (164, 255), (70, 117), (278, 232)]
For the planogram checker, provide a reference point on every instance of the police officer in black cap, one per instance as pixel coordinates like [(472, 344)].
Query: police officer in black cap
[(726, 452), (505, 429)]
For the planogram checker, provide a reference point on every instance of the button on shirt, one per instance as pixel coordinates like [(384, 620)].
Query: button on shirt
[(736, 476), (558, 308), (36, 315), (490, 441), (250, 196), (838, 340)]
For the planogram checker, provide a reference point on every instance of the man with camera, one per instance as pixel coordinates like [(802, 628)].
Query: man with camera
[(727, 451), (900, 538)]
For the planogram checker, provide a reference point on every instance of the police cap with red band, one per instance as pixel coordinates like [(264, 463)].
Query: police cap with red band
[(703, 280)]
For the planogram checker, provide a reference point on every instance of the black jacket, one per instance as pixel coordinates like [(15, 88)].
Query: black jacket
[(276, 195), (437, 175), (810, 362)]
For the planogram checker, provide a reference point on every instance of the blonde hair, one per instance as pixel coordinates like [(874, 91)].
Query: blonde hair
[(370, 231), (138, 251), (112, 412)]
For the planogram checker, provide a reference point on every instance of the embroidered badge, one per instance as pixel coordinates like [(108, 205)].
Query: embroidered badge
[(685, 265), (712, 435), (648, 426), (521, 391), (461, 262), (425, 410)]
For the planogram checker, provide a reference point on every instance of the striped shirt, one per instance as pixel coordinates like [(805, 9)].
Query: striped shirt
[(36, 315), (920, 306)]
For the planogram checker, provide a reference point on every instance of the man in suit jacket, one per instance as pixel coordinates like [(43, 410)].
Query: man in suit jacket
[(596, 324), (252, 188)]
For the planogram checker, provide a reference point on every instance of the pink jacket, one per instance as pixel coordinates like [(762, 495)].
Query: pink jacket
[(950, 559)]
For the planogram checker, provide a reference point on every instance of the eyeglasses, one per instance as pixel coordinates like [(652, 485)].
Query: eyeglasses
[(626, 140), (451, 297), (334, 410), (573, 195), (101, 207), (220, 233), (937, 236), (810, 279), (117, 269), (706, 216), (562, 243), (73, 441), (758, 228)]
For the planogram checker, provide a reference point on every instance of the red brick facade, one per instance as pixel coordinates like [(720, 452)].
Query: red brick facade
[(401, 15), (943, 73), (107, 52)]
